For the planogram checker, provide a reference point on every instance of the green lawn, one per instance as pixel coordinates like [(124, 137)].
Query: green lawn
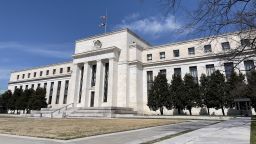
[(253, 130)]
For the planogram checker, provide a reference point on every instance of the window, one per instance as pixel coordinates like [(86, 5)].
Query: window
[(28, 75), (162, 55), (225, 46), (58, 93), (61, 70), (207, 48), (32, 86), (15, 87), (177, 71), (228, 69), (149, 57), (65, 92), (21, 87), (26, 87), (47, 72), (45, 85), (54, 71), (18, 76), (149, 79), (210, 69), (193, 72), (41, 73), (191, 51), (176, 53), (249, 66), (163, 71), (245, 42), (81, 84), (93, 78), (68, 69), (50, 95), (38, 85), (105, 98), (34, 74), (23, 76)]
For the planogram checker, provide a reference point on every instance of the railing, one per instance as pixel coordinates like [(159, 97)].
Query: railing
[(59, 109)]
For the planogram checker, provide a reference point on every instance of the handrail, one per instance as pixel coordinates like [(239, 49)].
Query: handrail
[(66, 107)]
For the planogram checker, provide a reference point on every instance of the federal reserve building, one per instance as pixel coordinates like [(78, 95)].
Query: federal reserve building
[(111, 74)]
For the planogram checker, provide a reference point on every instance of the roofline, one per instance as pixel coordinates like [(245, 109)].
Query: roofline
[(114, 32), (41, 66), (196, 39)]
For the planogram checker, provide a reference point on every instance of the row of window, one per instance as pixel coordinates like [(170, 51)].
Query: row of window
[(229, 67), (51, 91), (207, 49), (41, 73)]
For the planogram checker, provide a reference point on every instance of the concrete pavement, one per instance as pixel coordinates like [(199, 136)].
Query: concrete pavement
[(234, 131)]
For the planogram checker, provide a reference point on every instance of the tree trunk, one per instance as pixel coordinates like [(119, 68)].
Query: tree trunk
[(223, 111), (208, 110), (161, 110), (190, 111)]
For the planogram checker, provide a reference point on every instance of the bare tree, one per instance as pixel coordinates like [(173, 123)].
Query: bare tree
[(215, 17)]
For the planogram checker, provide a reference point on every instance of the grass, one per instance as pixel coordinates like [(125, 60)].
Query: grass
[(166, 137), (74, 128), (253, 130)]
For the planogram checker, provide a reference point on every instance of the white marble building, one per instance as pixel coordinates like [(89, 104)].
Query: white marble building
[(116, 69)]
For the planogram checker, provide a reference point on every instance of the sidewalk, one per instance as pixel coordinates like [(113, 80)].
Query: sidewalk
[(234, 131)]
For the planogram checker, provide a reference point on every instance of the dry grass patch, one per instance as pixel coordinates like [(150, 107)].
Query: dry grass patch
[(74, 128)]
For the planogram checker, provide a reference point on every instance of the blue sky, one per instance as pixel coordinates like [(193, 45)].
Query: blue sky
[(41, 32)]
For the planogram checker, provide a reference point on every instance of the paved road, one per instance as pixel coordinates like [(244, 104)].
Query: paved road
[(129, 137), (234, 131)]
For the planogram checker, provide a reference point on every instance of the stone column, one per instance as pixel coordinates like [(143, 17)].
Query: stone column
[(99, 84), (74, 85), (86, 78), (112, 82)]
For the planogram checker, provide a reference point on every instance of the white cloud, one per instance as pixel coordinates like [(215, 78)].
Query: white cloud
[(47, 50), (154, 25)]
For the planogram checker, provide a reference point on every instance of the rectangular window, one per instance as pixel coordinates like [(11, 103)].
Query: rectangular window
[(34, 74), (20, 87), (176, 53), (245, 42), (207, 48), (68, 69), (225, 46), (93, 79), (81, 84), (105, 98), (50, 95), (149, 79), (177, 71), (32, 86), (23, 76), (61, 70), (163, 71), (193, 72), (66, 92), (229, 68), (191, 51), (41, 73), (92, 99), (28, 75), (54, 71), (47, 72), (210, 69), (26, 87), (45, 85), (18, 76), (149, 57), (249, 66), (58, 92), (38, 85), (15, 87), (162, 55)]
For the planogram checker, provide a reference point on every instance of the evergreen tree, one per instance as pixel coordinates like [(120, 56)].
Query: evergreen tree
[(217, 87), (191, 92), (177, 90), (13, 103), (251, 78), (4, 101), (37, 100), (23, 101), (158, 93)]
